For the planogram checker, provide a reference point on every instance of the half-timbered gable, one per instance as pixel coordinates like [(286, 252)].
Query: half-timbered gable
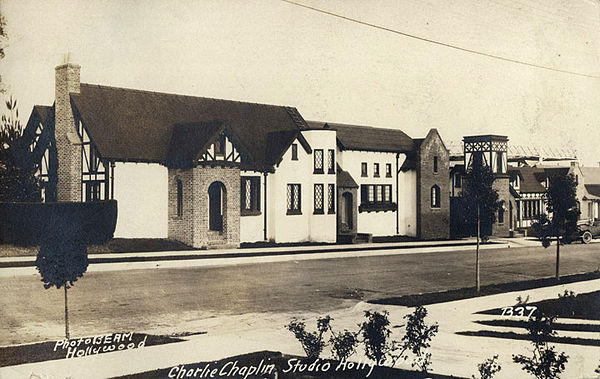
[(39, 134)]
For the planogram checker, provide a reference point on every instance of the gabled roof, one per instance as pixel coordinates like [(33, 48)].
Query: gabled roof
[(591, 175), (344, 179), (280, 141), (593, 189), (530, 178), (188, 141), (134, 125), (368, 138)]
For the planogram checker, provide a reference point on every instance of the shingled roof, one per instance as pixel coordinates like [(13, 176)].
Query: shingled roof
[(135, 125), (593, 189), (530, 178), (368, 138)]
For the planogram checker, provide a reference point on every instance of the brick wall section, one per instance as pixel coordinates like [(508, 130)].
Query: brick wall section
[(433, 223), (501, 184), (204, 176), (181, 228), (192, 227), (68, 186)]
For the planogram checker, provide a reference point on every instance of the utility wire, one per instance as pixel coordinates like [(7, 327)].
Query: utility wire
[(441, 43)]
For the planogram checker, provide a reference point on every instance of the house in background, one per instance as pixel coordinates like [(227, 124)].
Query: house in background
[(217, 173), (522, 187)]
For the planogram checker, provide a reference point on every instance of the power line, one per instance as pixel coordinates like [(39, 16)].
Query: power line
[(440, 43)]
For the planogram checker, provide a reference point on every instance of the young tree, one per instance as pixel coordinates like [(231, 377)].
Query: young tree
[(17, 171), (60, 265), (562, 206), (480, 202)]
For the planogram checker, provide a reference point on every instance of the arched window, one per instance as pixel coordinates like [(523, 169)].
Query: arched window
[(435, 196), (179, 198)]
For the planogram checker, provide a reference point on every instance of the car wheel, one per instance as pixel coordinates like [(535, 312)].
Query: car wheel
[(586, 237)]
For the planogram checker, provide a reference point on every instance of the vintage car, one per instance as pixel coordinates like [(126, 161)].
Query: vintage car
[(588, 230)]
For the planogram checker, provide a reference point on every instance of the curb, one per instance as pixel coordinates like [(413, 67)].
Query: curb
[(129, 258)]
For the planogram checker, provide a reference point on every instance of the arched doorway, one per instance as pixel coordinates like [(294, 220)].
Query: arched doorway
[(346, 210), (217, 205)]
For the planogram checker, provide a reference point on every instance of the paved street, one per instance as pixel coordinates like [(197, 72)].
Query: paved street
[(167, 299)]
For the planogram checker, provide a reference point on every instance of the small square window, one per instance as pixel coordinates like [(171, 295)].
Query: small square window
[(363, 169)]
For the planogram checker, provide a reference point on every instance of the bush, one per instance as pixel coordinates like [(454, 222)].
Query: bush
[(379, 347), (488, 368), (545, 362), (343, 345), (312, 342)]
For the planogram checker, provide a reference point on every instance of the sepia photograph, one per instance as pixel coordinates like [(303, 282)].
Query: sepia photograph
[(279, 189)]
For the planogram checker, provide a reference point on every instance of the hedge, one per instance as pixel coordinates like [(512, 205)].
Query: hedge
[(47, 223)]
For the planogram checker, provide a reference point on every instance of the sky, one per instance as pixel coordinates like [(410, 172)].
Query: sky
[(331, 69)]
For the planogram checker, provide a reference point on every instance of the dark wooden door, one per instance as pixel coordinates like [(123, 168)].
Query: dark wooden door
[(215, 206)]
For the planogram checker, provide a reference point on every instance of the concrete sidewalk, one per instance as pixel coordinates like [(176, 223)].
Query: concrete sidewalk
[(14, 266), (233, 335)]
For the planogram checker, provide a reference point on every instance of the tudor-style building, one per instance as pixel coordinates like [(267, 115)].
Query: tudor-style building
[(522, 189), (217, 173)]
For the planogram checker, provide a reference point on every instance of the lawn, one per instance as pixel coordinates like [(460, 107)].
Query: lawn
[(583, 306), (46, 351), (116, 245), (469, 292)]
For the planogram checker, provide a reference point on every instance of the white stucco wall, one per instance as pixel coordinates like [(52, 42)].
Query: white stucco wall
[(141, 194), (305, 226), (251, 227), (407, 205), (322, 227), (375, 223)]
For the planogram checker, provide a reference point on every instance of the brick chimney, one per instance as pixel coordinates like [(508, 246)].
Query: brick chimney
[(68, 143)]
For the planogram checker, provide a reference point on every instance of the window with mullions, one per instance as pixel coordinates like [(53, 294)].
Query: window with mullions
[(318, 161), (294, 203), (331, 198), (250, 192), (376, 197), (331, 161), (318, 199)]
